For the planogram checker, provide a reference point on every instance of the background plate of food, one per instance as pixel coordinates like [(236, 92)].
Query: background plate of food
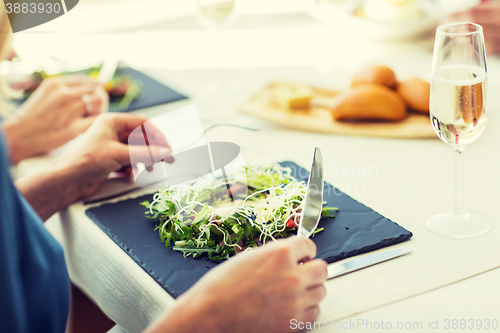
[(128, 89), (378, 19)]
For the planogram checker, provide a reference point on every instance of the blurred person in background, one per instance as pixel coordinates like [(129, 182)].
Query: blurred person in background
[(264, 289), (59, 109), (486, 14)]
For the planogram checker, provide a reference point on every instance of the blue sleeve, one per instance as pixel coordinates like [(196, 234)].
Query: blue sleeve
[(34, 284)]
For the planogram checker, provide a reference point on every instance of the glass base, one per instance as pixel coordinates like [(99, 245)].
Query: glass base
[(467, 224), (219, 90)]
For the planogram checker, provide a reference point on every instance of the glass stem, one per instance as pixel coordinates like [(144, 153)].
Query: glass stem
[(459, 180)]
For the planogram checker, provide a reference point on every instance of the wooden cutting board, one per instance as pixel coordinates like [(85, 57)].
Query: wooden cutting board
[(318, 119)]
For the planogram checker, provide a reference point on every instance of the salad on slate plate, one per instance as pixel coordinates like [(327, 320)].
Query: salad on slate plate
[(263, 204), (122, 89)]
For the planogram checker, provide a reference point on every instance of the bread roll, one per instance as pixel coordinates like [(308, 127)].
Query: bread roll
[(369, 102), (375, 75), (415, 93)]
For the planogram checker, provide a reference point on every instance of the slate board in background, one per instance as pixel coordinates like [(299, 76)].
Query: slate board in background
[(356, 229), (153, 93)]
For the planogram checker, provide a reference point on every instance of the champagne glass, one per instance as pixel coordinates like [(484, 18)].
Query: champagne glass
[(458, 111), (217, 15)]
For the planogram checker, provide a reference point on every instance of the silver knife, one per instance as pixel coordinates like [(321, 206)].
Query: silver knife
[(107, 71), (335, 270), (313, 200)]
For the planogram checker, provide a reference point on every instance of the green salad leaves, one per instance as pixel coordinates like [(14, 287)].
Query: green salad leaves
[(221, 217)]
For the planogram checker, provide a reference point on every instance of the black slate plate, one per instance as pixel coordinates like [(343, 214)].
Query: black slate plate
[(152, 92), (356, 229)]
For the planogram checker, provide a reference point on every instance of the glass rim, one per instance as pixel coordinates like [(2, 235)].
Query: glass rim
[(441, 28)]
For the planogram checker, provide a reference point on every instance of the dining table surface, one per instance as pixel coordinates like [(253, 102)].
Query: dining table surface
[(443, 285)]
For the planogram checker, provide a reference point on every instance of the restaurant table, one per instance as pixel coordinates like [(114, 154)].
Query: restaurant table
[(440, 284)]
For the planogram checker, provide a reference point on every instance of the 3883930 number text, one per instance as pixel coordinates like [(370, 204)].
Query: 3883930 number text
[(33, 8), (471, 324)]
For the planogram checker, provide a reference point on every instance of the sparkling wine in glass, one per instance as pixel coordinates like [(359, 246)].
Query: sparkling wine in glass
[(458, 111), (216, 13)]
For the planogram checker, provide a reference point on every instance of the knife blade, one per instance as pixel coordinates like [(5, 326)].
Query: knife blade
[(313, 200), (346, 267), (107, 71)]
